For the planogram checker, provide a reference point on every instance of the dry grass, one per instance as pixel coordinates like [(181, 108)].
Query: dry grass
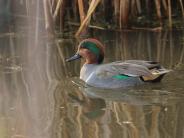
[(123, 12)]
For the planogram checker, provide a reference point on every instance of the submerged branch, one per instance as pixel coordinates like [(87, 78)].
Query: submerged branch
[(90, 26)]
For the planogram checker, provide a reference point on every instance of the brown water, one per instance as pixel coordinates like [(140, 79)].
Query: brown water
[(42, 97)]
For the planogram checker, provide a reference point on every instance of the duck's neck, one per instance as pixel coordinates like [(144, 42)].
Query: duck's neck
[(90, 61)]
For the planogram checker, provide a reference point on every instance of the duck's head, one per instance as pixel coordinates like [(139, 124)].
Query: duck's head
[(91, 50)]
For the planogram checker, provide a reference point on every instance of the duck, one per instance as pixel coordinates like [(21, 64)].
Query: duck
[(117, 74)]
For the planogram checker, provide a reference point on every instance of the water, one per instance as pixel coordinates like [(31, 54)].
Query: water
[(42, 97)]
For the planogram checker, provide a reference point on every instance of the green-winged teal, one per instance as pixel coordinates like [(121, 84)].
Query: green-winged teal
[(116, 74)]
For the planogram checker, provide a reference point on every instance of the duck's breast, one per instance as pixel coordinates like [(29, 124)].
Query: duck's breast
[(87, 70)]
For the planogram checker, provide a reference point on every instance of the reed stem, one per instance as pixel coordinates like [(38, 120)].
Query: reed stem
[(49, 23), (91, 9), (157, 4), (169, 13), (124, 12), (182, 9), (59, 4), (81, 10)]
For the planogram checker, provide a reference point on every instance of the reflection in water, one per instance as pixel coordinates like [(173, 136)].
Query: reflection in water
[(147, 111), (137, 112), (26, 108), (39, 99)]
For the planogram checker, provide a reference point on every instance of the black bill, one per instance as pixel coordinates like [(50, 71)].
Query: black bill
[(76, 56)]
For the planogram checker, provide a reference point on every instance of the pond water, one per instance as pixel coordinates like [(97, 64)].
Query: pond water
[(42, 97)]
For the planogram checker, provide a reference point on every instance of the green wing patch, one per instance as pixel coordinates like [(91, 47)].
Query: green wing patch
[(120, 77)]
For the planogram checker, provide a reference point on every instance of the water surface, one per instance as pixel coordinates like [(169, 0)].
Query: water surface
[(42, 97)]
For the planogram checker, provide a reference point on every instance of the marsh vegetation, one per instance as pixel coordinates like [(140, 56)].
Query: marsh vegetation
[(78, 15), (38, 98)]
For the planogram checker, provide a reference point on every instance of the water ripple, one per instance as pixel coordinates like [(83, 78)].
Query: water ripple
[(10, 65)]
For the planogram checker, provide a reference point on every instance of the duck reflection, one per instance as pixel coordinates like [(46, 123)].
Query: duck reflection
[(92, 108), (95, 102), (139, 95), (125, 110)]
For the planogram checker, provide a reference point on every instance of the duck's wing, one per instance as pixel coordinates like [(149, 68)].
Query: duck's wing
[(153, 66), (126, 68), (147, 64)]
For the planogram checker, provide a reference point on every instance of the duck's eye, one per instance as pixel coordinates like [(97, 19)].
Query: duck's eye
[(82, 46)]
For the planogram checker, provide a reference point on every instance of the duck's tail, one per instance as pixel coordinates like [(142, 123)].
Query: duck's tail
[(158, 74)]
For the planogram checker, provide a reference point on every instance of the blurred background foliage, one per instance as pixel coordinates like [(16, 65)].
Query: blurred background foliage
[(78, 15)]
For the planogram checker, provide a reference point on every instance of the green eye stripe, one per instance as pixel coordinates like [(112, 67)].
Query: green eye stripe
[(92, 47)]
